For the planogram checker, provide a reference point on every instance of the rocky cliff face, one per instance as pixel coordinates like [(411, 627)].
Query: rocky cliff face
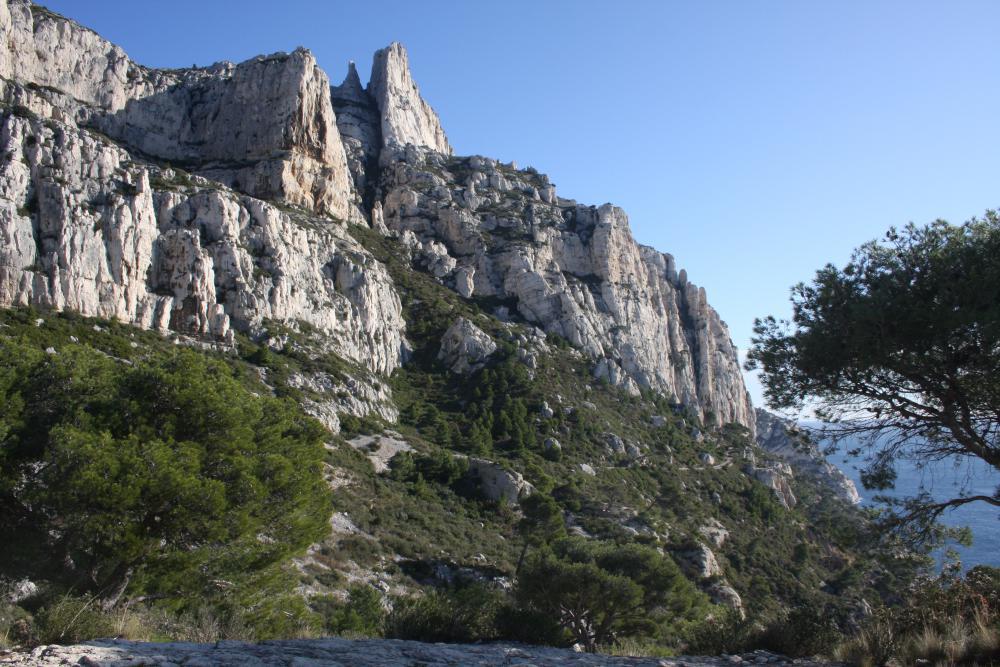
[(497, 233), (93, 221), (405, 117), (782, 438), (87, 228), (265, 127)]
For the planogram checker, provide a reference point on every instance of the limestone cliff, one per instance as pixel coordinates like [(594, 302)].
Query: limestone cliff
[(491, 231), (406, 117), (783, 439), (265, 127), (87, 228), (93, 219)]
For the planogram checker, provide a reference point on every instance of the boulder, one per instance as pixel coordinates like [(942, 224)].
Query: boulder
[(721, 593), (699, 563), (465, 347), (614, 444), (714, 532), (498, 484)]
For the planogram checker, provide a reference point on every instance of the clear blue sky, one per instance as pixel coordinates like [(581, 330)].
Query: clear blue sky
[(755, 141)]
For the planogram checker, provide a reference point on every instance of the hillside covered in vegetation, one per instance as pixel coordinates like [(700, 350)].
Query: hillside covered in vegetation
[(277, 364)]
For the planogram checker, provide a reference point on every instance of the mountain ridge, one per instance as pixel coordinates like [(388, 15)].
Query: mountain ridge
[(269, 128)]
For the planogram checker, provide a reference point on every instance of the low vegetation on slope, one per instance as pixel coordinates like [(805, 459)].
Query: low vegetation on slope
[(159, 490), (105, 426)]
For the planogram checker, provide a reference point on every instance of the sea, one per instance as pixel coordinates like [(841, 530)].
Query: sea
[(943, 479)]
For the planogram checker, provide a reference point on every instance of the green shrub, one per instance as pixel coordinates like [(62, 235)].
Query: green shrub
[(15, 626), (467, 614), (530, 626), (806, 630), (362, 615), (171, 472), (603, 591), (727, 632), (70, 619)]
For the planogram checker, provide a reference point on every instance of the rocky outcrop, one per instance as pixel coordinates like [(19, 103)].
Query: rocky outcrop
[(380, 449), (360, 127), (783, 439), (714, 532), (87, 228), (273, 128), (776, 477), (723, 594), (497, 483), (699, 563), (265, 127), (405, 117), (49, 50), (572, 270), (327, 397), (465, 347)]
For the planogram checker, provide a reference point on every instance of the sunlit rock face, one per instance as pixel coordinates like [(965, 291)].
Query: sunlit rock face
[(783, 439), (87, 229), (492, 231), (265, 127), (405, 117), (96, 217)]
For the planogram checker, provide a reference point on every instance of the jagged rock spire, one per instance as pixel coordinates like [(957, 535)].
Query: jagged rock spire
[(406, 117), (351, 89)]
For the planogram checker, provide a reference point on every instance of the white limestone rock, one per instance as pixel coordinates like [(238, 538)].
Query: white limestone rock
[(405, 117), (85, 229), (776, 477), (265, 127), (497, 483), (714, 532), (721, 593), (699, 563), (355, 652), (359, 124), (465, 347), (575, 271), (783, 439), (49, 50), (329, 397), (380, 449)]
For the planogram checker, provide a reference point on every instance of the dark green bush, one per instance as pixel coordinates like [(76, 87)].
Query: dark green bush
[(466, 614), (172, 474), (71, 619), (362, 614)]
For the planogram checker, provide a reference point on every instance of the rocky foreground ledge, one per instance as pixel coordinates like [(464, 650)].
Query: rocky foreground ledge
[(353, 653)]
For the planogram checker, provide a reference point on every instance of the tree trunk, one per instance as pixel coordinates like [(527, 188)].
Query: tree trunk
[(117, 583)]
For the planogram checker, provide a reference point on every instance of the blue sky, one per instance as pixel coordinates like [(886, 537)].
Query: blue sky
[(755, 141)]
